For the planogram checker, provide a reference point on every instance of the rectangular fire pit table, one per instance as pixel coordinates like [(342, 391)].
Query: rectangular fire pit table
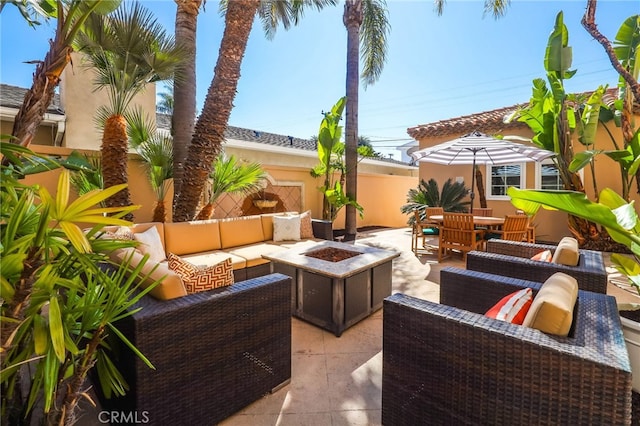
[(335, 294)]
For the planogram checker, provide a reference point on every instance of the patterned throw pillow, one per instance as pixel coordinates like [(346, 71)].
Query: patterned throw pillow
[(306, 229), (122, 233), (198, 279), (286, 228), (513, 307), (543, 256)]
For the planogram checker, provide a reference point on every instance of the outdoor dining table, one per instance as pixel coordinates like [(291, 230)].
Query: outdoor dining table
[(488, 221)]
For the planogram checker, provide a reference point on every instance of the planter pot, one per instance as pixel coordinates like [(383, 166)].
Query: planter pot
[(631, 330), (322, 229), (265, 204)]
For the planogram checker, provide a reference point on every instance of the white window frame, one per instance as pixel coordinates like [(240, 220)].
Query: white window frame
[(523, 180), (538, 184)]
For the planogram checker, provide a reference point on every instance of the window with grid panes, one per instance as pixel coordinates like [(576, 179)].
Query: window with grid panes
[(502, 177)]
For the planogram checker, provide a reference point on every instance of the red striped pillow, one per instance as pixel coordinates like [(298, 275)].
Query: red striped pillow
[(513, 307), (543, 256)]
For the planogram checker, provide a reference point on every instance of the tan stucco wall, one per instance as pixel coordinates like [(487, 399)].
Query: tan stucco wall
[(81, 102), (382, 188), (550, 225), (46, 134), (141, 192), (380, 195)]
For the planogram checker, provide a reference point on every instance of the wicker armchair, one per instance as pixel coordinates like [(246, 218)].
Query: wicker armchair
[(513, 259), (449, 364), (214, 352)]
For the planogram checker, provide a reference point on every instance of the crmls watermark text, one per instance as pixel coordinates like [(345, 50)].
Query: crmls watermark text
[(127, 417)]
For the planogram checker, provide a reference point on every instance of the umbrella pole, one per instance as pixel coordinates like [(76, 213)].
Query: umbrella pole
[(473, 181)]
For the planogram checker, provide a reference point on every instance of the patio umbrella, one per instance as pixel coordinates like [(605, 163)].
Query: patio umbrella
[(479, 148)]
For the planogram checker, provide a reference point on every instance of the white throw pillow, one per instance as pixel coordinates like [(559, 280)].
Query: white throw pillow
[(286, 228), (151, 244)]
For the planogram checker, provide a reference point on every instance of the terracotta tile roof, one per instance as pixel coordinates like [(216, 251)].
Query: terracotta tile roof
[(12, 97), (485, 122)]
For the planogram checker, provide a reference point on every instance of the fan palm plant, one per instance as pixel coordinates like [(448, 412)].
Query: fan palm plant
[(128, 50), (157, 154), (88, 178), (428, 195), (156, 150), (234, 177)]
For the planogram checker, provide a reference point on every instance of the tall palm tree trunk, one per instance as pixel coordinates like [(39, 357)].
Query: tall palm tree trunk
[(352, 19), (482, 196), (159, 212), (209, 130), (184, 89), (39, 96), (115, 147)]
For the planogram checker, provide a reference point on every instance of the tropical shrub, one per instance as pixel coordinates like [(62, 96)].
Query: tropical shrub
[(619, 218), (231, 176), (331, 155), (59, 303), (427, 194)]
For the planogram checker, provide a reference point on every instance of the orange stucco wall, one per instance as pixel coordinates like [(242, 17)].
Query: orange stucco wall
[(380, 195)]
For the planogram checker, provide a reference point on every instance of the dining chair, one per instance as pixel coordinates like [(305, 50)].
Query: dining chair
[(530, 237), (424, 227), (483, 211), (515, 228), (458, 233)]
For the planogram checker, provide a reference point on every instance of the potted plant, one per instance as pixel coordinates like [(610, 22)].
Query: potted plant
[(331, 156), (59, 303), (232, 176)]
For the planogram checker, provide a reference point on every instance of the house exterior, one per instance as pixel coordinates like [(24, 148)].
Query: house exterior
[(70, 125), (550, 225)]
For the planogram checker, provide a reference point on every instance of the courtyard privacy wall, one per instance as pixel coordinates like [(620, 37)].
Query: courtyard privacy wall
[(381, 195)]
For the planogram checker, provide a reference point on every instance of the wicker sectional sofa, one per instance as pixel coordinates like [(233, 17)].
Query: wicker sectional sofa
[(243, 239), (448, 363), (213, 352)]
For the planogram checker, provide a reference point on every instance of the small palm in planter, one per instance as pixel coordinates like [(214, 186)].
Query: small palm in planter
[(58, 305), (427, 194), (621, 222), (232, 176)]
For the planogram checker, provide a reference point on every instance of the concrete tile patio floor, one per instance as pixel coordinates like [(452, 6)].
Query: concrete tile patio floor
[(338, 380)]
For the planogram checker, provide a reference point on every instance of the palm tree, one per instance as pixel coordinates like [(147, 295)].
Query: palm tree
[(208, 133), (371, 17), (166, 104), (234, 177), (70, 16), (156, 151), (184, 88), (157, 154), (427, 194), (128, 51)]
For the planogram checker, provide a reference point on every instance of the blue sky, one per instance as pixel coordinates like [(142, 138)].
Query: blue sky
[(438, 66)]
